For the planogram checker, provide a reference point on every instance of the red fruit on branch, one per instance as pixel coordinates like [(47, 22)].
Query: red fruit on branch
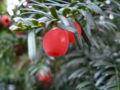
[(56, 42), (46, 77), (5, 20), (41, 77), (78, 27), (71, 37)]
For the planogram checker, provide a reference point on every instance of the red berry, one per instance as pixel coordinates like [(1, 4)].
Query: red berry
[(5, 20), (41, 77), (46, 77), (55, 42), (71, 37), (78, 27)]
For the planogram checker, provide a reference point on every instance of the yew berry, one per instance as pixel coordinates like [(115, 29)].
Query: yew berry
[(78, 27), (71, 37), (56, 42), (41, 77), (5, 20), (46, 77)]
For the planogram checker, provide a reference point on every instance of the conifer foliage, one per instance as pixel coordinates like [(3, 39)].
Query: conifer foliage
[(72, 44)]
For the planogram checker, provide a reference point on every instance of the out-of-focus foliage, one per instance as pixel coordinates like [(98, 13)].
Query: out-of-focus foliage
[(12, 56)]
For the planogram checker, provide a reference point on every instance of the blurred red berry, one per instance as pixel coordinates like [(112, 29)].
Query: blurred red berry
[(56, 42), (78, 27), (71, 37), (46, 77), (5, 20), (41, 77)]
